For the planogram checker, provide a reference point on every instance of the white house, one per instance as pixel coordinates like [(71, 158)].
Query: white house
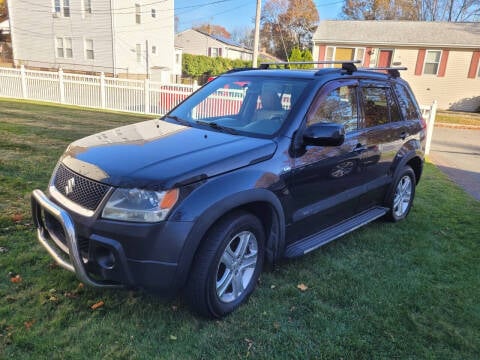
[(113, 36), (199, 43), (443, 59)]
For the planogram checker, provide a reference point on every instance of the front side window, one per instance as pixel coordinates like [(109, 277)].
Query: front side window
[(375, 106), (338, 106), (432, 62), (154, 13)]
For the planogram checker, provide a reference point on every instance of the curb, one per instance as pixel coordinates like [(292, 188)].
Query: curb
[(457, 126)]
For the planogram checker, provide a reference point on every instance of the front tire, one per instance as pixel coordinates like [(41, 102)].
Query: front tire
[(402, 194), (227, 265)]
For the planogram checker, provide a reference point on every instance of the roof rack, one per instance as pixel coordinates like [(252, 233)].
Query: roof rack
[(287, 64), (392, 71)]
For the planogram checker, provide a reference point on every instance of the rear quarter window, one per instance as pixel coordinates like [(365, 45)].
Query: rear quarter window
[(408, 105)]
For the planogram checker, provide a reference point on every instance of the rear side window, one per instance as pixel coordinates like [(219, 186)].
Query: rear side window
[(407, 103), (375, 106)]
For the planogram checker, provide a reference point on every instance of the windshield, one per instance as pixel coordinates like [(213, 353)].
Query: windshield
[(241, 104)]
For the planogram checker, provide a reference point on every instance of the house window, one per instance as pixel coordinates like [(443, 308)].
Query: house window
[(329, 55), (87, 6), (360, 55), (64, 47), (154, 13), (177, 59), (344, 54), (58, 6), (138, 50), (62, 4), (89, 53), (138, 14), (59, 46), (432, 62), (66, 8), (154, 50), (214, 52)]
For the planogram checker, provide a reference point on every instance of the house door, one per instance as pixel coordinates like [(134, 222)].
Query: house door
[(385, 58)]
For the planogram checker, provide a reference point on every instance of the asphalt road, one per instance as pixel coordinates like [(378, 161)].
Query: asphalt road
[(457, 153)]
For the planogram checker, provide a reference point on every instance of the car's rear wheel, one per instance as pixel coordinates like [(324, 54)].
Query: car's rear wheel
[(402, 194), (227, 266)]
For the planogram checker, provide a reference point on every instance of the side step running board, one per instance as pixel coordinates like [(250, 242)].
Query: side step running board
[(313, 242)]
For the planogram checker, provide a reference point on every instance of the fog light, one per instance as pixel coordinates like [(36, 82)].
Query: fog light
[(104, 258)]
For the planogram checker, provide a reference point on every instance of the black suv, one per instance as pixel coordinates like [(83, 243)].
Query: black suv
[(256, 166)]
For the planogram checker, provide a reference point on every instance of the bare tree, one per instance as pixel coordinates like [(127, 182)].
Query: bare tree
[(287, 24), (423, 10)]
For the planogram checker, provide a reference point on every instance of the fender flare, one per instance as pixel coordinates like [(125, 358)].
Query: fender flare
[(275, 240)]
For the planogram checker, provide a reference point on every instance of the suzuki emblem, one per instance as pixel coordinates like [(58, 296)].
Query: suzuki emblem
[(69, 186)]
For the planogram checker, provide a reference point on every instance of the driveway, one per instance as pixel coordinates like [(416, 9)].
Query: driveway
[(457, 153)]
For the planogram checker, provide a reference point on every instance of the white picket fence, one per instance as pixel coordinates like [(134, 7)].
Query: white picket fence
[(101, 92), (141, 96)]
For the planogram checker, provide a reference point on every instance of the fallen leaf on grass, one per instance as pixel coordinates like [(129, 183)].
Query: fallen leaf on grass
[(16, 279), (71, 294), (17, 217), (28, 324), (302, 287), (97, 305), (276, 325), (3, 250), (173, 337)]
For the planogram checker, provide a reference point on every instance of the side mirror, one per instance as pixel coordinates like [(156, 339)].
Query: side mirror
[(324, 134)]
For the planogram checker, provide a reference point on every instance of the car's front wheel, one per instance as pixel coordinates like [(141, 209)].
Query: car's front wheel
[(227, 265), (402, 194)]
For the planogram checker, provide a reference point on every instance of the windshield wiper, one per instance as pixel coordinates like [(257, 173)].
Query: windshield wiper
[(216, 126), (177, 119)]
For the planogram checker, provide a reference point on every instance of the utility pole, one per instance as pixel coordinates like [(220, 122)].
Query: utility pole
[(256, 39)]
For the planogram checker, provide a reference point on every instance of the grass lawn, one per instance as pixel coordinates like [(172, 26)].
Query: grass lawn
[(458, 118), (406, 290)]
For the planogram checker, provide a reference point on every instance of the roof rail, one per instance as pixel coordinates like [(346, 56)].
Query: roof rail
[(287, 63), (392, 71)]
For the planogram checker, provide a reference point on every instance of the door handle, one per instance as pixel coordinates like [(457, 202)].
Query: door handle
[(360, 148)]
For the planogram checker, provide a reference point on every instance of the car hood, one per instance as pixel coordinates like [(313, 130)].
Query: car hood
[(159, 155)]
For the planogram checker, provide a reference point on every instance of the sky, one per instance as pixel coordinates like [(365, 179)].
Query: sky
[(235, 14)]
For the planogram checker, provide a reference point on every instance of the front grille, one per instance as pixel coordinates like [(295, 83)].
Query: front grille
[(82, 191)]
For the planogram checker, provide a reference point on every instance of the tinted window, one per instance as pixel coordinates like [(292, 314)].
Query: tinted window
[(394, 110), (407, 104), (338, 106), (375, 106)]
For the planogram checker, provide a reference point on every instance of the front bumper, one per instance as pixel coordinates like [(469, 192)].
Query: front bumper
[(111, 254)]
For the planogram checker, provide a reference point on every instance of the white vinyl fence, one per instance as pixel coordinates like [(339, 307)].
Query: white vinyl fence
[(143, 96), (102, 92)]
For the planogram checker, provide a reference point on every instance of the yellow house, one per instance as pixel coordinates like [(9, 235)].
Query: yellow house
[(443, 58)]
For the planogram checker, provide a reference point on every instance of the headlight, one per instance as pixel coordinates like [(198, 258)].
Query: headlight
[(139, 205)]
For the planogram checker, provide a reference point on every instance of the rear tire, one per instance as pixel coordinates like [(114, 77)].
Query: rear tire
[(402, 194), (227, 265)]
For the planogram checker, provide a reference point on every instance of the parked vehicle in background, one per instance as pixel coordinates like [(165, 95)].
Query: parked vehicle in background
[(256, 166)]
